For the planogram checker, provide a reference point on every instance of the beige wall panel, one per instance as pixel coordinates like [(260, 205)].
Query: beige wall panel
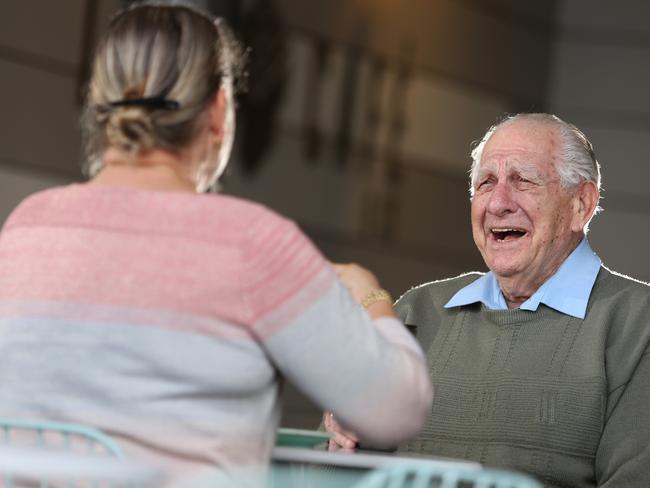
[(476, 43), (621, 240), (370, 113), (293, 101), (328, 118), (52, 29), (601, 77), (442, 120), (623, 155), (397, 269), (301, 56), (434, 214), (317, 193), (538, 11), (301, 62), (605, 16), (40, 122)]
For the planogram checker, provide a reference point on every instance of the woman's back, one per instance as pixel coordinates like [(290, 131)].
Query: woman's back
[(139, 312), (165, 319)]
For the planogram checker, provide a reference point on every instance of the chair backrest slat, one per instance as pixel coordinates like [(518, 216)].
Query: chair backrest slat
[(434, 475), (55, 436)]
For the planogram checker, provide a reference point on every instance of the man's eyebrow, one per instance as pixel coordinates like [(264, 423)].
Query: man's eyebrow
[(484, 170), (528, 171)]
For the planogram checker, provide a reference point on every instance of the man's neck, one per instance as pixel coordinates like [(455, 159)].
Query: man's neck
[(515, 301)]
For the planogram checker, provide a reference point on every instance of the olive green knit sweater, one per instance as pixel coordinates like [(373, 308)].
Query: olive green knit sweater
[(563, 399)]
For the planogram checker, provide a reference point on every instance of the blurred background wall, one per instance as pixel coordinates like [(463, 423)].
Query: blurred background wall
[(360, 116)]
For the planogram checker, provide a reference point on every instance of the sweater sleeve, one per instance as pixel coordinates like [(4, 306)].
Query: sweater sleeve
[(371, 374), (623, 456)]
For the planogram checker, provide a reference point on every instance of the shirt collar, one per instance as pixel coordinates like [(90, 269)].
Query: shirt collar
[(567, 291)]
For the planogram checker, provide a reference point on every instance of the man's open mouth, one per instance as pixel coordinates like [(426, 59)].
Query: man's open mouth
[(508, 233)]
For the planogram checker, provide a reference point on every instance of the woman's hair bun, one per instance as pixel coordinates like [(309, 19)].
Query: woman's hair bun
[(130, 129)]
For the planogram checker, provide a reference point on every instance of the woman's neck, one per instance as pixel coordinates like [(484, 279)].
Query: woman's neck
[(155, 170)]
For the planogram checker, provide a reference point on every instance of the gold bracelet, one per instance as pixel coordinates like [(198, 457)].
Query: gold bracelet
[(377, 295)]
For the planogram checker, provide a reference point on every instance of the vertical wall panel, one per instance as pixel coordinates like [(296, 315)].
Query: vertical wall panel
[(46, 29), (40, 118), (600, 81)]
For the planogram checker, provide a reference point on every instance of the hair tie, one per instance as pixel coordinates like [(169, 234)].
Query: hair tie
[(149, 102)]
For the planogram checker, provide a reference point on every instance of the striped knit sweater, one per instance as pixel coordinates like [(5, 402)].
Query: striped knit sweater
[(563, 399), (168, 320)]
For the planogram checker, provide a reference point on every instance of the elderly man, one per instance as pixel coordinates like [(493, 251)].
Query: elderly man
[(542, 364)]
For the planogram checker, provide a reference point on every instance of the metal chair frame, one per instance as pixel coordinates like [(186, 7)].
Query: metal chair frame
[(421, 475), (93, 441)]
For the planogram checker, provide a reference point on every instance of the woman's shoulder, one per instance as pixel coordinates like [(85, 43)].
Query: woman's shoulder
[(200, 216), (34, 205)]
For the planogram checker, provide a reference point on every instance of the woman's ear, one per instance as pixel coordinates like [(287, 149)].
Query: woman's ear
[(217, 114)]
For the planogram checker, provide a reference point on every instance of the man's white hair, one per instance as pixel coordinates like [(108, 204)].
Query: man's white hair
[(575, 158)]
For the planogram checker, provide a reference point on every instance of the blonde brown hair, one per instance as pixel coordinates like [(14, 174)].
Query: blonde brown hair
[(172, 55)]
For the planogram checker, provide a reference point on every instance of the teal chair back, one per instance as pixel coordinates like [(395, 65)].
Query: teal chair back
[(56, 438), (423, 475), (42, 434)]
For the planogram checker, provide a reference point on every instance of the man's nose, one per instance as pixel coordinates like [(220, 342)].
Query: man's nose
[(501, 200)]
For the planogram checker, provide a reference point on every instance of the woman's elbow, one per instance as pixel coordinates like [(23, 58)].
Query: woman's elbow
[(400, 418)]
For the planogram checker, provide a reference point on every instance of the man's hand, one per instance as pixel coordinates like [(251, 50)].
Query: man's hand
[(342, 440)]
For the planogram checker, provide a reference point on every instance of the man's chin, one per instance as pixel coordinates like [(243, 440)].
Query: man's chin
[(504, 268)]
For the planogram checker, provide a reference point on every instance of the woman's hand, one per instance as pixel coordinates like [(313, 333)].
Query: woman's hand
[(361, 283), (357, 279)]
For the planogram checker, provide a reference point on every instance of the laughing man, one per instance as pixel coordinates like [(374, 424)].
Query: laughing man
[(540, 365)]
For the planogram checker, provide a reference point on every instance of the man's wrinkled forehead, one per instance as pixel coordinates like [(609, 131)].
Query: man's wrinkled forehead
[(508, 166), (512, 154), (510, 147)]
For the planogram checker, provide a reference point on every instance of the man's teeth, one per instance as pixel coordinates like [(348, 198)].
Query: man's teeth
[(506, 233)]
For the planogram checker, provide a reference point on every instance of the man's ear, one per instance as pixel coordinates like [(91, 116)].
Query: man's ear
[(217, 114), (585, 201)]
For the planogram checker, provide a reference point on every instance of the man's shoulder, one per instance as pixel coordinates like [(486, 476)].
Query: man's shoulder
[(423, 306), (622, 301), (439, 290), (609, 281)]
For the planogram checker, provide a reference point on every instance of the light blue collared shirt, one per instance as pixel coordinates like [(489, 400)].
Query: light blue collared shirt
[(567, 291)]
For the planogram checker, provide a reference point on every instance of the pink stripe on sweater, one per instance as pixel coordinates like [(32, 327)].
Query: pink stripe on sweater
[(206, 257), (264, 303), (82, 265), (308, 295)]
